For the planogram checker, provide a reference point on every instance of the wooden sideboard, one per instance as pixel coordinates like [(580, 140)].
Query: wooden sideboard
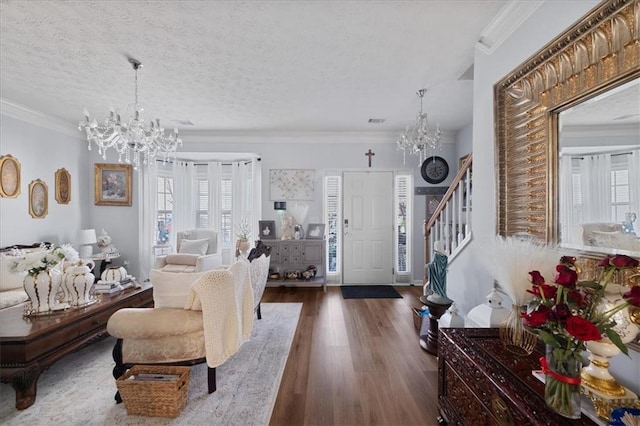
[(29, 345), (481, 383), (297, 256)]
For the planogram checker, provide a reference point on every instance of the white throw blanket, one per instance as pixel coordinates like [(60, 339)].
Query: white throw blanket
[(226, 300)]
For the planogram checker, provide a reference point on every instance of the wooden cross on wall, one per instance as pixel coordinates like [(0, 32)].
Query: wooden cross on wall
[(370, 154)]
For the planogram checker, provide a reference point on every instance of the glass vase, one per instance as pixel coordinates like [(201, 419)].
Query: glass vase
[(514, 335), (562, 382)]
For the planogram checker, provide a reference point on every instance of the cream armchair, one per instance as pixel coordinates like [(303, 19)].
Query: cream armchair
[(196, 251), (208, 323)]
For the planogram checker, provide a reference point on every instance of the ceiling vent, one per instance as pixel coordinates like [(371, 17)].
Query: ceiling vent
[(184, 122), (376, 120), (626, 116)]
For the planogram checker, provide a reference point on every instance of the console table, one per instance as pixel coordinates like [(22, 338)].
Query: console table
[(297, 256), (481, 383), (30, 345)]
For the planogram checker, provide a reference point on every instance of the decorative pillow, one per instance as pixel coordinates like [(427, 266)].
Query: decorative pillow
[(171, 290), (9, 279), (198, 247), (182, 259)]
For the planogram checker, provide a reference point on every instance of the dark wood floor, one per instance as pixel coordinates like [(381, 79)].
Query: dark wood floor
[(355, 362)]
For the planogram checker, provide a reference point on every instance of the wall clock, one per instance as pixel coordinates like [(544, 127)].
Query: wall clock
[(434, 169)]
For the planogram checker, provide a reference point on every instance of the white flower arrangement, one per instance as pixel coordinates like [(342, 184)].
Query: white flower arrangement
[(38, 261), (509, 259)]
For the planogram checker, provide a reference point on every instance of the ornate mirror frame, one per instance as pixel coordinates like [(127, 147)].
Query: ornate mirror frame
[(599, 52), (596, 54)]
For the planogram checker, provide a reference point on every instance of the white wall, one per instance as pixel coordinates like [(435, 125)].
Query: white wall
[(468, 283), (330, 153), (41, 151)]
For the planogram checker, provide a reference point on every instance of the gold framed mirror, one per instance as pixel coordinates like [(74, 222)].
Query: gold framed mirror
[(596, 55)]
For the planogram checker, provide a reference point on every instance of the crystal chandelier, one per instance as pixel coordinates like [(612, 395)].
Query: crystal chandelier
[(417, 140), (132, 140)]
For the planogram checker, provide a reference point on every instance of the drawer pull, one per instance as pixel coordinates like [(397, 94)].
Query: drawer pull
[(501, 411)]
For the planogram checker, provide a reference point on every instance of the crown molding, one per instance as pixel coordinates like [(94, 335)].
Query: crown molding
[(37, 118), (264, 137), (510, 17)]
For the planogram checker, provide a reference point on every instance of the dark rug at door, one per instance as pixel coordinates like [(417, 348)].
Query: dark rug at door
[(369, 292)]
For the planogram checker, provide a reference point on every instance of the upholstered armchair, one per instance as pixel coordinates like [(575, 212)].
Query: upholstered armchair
[(206, 323), (196, 251)]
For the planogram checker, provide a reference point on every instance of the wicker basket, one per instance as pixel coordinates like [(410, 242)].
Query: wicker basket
[(154, 398)]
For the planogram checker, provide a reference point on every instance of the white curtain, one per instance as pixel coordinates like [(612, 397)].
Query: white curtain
[(147, 216), (595, 174), (634, 183), (567, 222), (184, 197), (214, 177), (241, 194), (256, 206)]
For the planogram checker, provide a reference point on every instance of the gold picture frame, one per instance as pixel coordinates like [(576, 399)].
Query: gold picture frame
[(63, 186), (9, 176), (113, 184), (38, 199)]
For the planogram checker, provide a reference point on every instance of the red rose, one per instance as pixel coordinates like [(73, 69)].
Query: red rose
[(566, 276), (568, 260), (537, 317), (632, 297), (536, 278), (546, 290), (582, 329), (561, 311), (604, 262), (576, 297), (622, 261)]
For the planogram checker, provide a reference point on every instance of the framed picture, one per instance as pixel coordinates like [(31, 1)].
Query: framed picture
[(315, 231), (63, 186), (267, 229), (291, 184), (38, 199), (9, 177), (113, 184)]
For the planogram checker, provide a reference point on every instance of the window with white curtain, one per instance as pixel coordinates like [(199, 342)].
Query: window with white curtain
[(332, 217), (164, 213), (403, 209), (620, 191)]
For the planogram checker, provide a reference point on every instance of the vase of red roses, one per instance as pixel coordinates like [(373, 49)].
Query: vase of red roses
[(566, 314)]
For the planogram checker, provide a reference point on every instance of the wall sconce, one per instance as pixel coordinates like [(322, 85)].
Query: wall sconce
[(280, 205)]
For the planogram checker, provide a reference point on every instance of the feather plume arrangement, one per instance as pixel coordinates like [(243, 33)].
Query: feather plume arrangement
[(510, 259)]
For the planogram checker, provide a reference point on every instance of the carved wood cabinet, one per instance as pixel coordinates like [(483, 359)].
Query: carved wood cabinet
[(481, 383)]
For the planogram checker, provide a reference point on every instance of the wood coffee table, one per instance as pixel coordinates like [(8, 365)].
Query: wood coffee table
[(30, 345)]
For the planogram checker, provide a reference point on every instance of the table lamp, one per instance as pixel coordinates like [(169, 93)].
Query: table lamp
[(86, 237)]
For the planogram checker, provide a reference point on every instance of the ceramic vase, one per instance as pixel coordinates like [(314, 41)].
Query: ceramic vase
[(243, 248), (514, 335), (77, 282), (42, 289), (116, 273), (562, 382)]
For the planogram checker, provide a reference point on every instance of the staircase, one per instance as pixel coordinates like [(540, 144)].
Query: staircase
[(448, 230)]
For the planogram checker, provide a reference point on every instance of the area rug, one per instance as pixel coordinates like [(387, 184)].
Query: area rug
[(370, 292), (78, 389)]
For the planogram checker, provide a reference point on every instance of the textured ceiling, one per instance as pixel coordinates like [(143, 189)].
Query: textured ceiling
[(245, 65)]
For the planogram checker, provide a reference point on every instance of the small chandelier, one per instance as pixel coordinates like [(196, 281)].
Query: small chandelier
[(417, 140), (132, 140)]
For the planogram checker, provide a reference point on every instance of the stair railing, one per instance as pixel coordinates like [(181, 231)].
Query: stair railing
[(448, 229)]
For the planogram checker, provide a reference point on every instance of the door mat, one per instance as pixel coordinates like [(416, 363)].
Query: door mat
[(370, 292)]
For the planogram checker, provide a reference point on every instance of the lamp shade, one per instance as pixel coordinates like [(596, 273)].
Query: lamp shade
[(87, 236)]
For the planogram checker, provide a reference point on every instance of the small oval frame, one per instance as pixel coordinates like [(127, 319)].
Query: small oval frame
[(9, 176)]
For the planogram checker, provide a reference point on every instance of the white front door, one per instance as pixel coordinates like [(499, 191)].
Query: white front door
[(368, 228)]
